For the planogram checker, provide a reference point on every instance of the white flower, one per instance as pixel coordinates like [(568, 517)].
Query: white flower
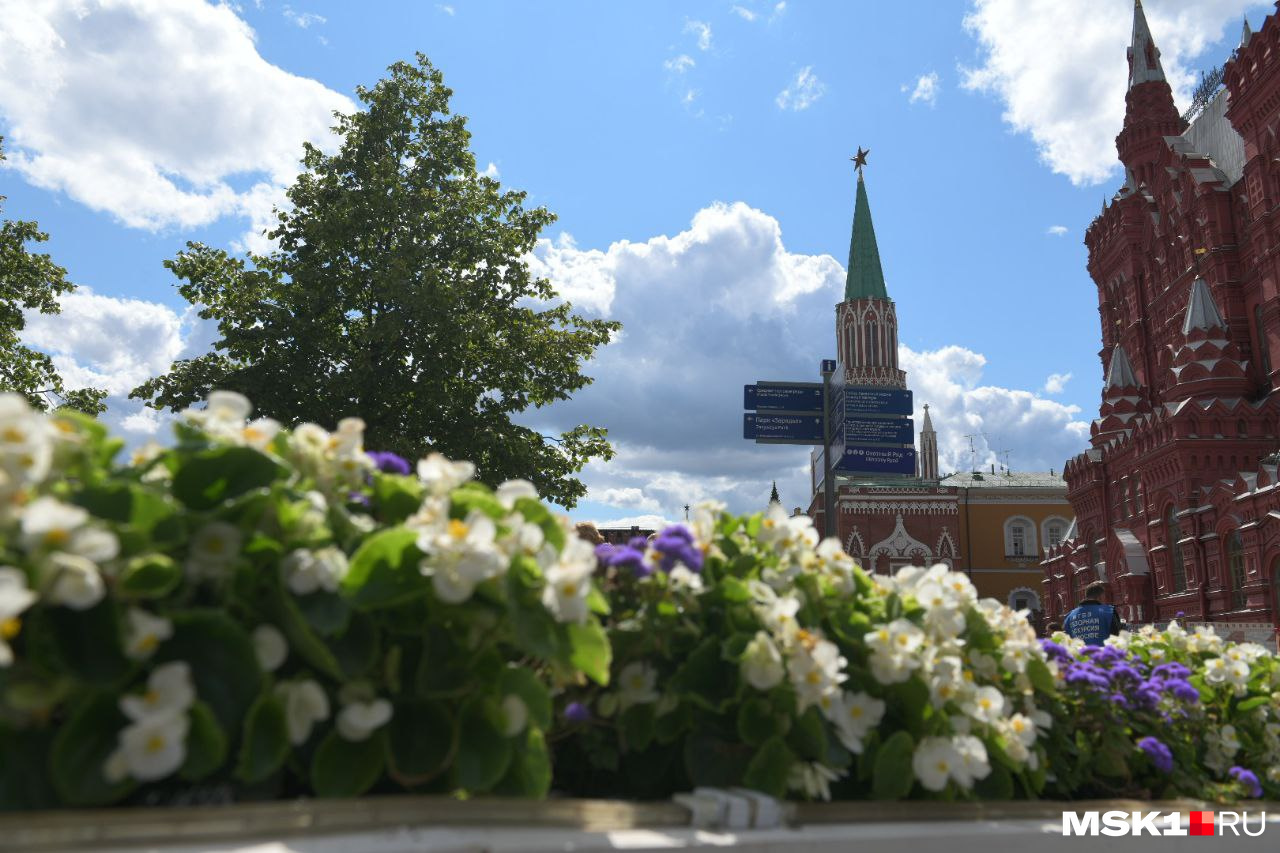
[(461, 555), (358, 720), (812, 779), (308, 571), (935, 761), (442, 476), (762, 663), (169, 692), (778, 613), (14, 599), (1229, 740), (525, 539), (50, 525), (144, 632), (146, 454), (1019, 728), (305, 704), (893, 649), (569, 582), (151, 748), (986, 705), (214, 547), (228, 407), (515, 715), (512, 490), (859, 714), (681, 578), (816, 669), (259, 433), (269, 647), (26, 440), (73, 581), (637, 685), (309, 439), (1226, 670), (943, 616), (974, 764)]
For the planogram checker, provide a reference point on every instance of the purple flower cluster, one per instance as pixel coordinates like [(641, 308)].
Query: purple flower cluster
[(577, 712), (388, 462), (1247, 778), (1160, 754), (1123, 678), (675, 545)]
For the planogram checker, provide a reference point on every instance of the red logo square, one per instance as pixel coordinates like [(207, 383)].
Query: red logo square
[(1202, 823)]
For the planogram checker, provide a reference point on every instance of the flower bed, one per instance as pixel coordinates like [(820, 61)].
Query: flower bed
[(257, 613)]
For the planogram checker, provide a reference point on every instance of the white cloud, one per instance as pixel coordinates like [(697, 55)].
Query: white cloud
[(721, 304), (1067, 94), (779, 10), (679, 64), (1056, 230), (1056, 382), (925, 90), (744, 14), (802, 92), (702, 31), (159, 112), (491, 171), (305, 20), (644, 522), (448, 10), (117, 344)]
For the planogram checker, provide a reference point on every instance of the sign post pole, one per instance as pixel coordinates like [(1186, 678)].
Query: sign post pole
[(830, 528)]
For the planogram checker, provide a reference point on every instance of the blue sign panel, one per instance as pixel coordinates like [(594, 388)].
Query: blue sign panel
[(783, 427), (828, 365), (879, 430), (861, 400), (862, 459), (783, 396)]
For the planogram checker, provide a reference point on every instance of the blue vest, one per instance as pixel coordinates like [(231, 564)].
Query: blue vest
[(1090, 623)]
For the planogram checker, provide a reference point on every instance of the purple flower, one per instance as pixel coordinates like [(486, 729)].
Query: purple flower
[(577, 712), (359, 498), (1119, 699), (1247, 778), (388, 462), (1055, 652), (1159, 754), (1170, 670), (623, 557), (1179, 614), (676, 546)]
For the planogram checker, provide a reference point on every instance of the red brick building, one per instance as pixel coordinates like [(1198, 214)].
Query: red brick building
[(1176, 502)]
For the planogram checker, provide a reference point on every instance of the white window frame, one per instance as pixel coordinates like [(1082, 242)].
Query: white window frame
[(1029, 545)]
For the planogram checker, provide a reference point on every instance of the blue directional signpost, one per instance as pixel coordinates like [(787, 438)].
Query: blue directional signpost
[(862, 430)]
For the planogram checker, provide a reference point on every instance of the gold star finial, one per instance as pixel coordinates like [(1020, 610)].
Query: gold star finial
[(860, 159)]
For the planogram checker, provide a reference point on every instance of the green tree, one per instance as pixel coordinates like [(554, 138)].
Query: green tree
[(32, 282), (773, 495), (398, 292)]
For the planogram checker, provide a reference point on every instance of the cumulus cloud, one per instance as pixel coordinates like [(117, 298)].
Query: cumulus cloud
[(159, 112), (491, 171), (701, 30), (925, 90), (722, 304), (802, 91), (1056, 382), (116, 344), (679, 64), (744, 14), (1067, 94), (1056, 230)]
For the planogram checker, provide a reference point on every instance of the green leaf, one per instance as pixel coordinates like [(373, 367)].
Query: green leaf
[(522, 682), (396, 497), (673, 724), (283, 607), (808, 737), (422, 739), (892, 777), (484, 753), (224, 665), (535, 513), (325, 612), (770, 767), (711, 760), (530, 772), (211, 477), (757, 722), (24, 775), (473, 496), (384, 570), (1041, 678), (356, 651), (590, 651), (638, 726), (85, 643), (706, 678), (149, 576), (127, 503), (80, 752), (998, 785), (1249, 704), (734, 590), (342, 768), (264, 743), (206, 744), (1111, 761)]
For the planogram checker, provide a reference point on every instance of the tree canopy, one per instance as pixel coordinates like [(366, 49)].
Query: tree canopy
[(32, 282), (398, 292)]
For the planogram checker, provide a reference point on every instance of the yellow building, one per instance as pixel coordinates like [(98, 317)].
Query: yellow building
[(1006, 520)]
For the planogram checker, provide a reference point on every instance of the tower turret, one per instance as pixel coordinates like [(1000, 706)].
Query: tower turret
[(927, 458), (1150, 114)]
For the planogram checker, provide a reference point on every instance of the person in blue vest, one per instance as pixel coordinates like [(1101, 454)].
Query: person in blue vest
[(1092, 621)]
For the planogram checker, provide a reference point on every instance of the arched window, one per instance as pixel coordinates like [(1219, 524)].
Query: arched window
[(1235, 561), (1052, 530), (1019, 537), (873, 344), (1172, 533)]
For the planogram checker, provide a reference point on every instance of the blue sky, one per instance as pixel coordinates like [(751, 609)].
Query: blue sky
[(697, 156)]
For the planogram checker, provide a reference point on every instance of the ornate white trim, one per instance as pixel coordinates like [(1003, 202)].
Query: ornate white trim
[(900, 545), (855, 536), (910, 506), (946, 547), (1030, 547), (1035, 596)]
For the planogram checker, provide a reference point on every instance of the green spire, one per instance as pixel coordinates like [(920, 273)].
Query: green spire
[(865, 279)]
